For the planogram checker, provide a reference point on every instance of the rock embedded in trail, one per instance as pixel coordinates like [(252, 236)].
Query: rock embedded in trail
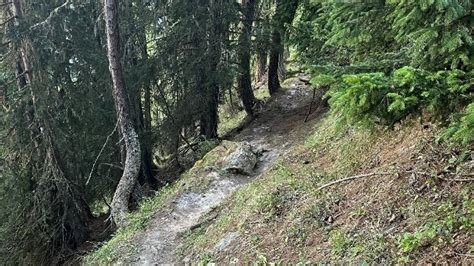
[(242, 160)]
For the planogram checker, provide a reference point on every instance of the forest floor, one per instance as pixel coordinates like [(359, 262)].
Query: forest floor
[(409, 199)]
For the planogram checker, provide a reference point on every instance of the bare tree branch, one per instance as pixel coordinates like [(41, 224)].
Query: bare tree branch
[(101, 151), (53, 13), (8, 20)]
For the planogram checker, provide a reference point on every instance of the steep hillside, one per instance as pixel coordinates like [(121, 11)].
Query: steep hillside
[(321, 192)]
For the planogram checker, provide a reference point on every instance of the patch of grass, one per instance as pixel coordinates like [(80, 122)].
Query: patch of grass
[(296, 235), (121, 246), (340, 242), (206, 259), (283, 206), (318, 213), (232, 114), (229, 121), (439, 230)]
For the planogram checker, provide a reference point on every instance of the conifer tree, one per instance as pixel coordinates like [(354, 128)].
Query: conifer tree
[(285, 13), (244, 80)]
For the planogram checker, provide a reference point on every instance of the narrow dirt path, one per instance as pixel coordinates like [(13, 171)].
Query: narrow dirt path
[(275, 130)]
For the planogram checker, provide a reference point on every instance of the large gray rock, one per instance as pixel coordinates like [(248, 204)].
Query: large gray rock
[(242, 160)]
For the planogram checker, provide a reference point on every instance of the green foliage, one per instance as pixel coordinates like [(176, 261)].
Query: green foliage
[(322, 80), (339, 242), (377, 98), (437, 32), (391, 59), (410, 242), (462, 128), (449, 218)]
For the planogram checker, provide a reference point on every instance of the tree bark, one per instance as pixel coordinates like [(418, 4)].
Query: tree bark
[(147, 151), (285, 13), (273, 80), (131, 170), (244, 80), (210, 118), (262, 60)]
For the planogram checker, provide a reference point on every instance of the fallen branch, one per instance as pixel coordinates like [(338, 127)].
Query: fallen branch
[(351, 178), (446, 179), (458, 179)]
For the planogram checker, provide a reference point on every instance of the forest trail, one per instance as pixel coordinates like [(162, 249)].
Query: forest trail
[(278, 127)]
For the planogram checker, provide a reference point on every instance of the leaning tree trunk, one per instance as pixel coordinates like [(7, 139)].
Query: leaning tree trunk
[(131, 170), (244, 80)]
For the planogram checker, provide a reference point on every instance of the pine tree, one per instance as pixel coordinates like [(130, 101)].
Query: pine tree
[(244, 80), (285, 13)]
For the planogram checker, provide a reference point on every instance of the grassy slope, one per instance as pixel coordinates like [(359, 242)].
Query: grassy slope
[(409, 215)]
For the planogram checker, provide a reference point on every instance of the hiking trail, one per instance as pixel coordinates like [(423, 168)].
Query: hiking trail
[(278, 127)]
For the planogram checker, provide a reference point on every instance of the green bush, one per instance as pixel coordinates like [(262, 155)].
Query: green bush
[(462, 128), (378, 98)]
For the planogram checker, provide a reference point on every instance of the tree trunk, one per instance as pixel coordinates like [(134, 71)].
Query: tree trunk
[(262, 60), (282, 71), (147, 150), (244, 81), (285, 13), (210, 118), (131, 170), (273, 81)]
